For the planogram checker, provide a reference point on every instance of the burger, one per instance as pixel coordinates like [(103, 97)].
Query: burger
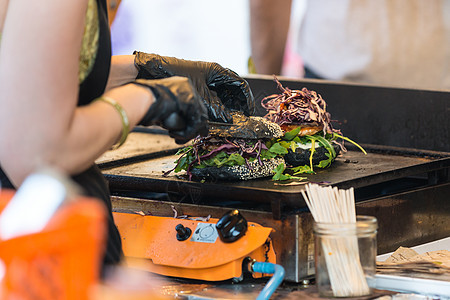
[(241, 150), (309, 139)]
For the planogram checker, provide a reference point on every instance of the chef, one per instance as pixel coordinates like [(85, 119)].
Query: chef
[(65, 101)]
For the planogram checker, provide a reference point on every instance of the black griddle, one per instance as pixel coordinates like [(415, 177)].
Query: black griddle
[(382, 171), (392, 124), (405, 188)]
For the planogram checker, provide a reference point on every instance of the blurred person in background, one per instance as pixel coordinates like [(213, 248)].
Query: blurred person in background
[(403, 43), (65, 100), (113, 6)]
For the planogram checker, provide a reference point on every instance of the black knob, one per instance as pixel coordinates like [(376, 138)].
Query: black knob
[(231, 227), (183, 233)]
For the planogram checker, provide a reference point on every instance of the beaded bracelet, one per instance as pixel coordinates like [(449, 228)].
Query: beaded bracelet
[(124, 118)]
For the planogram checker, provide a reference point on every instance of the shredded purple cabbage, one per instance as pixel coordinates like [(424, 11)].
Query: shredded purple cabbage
[(204, 148), (302, 107)]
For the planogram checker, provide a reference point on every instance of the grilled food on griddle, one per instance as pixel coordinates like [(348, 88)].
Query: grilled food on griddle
[(236, 151), (310, 139)]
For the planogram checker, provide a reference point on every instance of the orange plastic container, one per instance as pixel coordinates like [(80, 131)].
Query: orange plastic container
[(62, 261)]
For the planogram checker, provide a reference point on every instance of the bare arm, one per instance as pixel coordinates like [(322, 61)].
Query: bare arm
[(269, 25), (40, 123), (122, 71)]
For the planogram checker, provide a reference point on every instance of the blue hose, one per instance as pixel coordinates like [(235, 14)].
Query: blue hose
[(274, 282)]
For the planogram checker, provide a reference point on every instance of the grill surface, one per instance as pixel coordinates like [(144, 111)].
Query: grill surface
[(392, 168), (404, 188)]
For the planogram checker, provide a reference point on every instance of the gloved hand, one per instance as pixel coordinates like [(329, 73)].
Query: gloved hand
[(177, 108), (221, 89)]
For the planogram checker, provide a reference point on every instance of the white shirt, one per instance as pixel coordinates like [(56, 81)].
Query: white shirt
[(386, 42)]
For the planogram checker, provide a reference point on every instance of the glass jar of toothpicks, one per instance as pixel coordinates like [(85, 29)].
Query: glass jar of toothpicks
[(345, 244)]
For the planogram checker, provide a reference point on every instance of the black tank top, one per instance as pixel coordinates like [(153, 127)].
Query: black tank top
[(96, 54)]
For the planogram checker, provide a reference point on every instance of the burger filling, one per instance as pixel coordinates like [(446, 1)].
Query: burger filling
[(303, 116), (218, 152)]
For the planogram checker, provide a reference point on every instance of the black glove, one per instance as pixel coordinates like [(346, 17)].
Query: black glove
[(177, 108), (221, 88)]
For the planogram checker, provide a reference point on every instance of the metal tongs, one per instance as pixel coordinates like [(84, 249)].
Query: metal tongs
[(245, 127)]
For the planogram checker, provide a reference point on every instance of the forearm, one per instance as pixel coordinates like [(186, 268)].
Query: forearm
[(269, 25), (122, 71), (98, 126), (75, 145)]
